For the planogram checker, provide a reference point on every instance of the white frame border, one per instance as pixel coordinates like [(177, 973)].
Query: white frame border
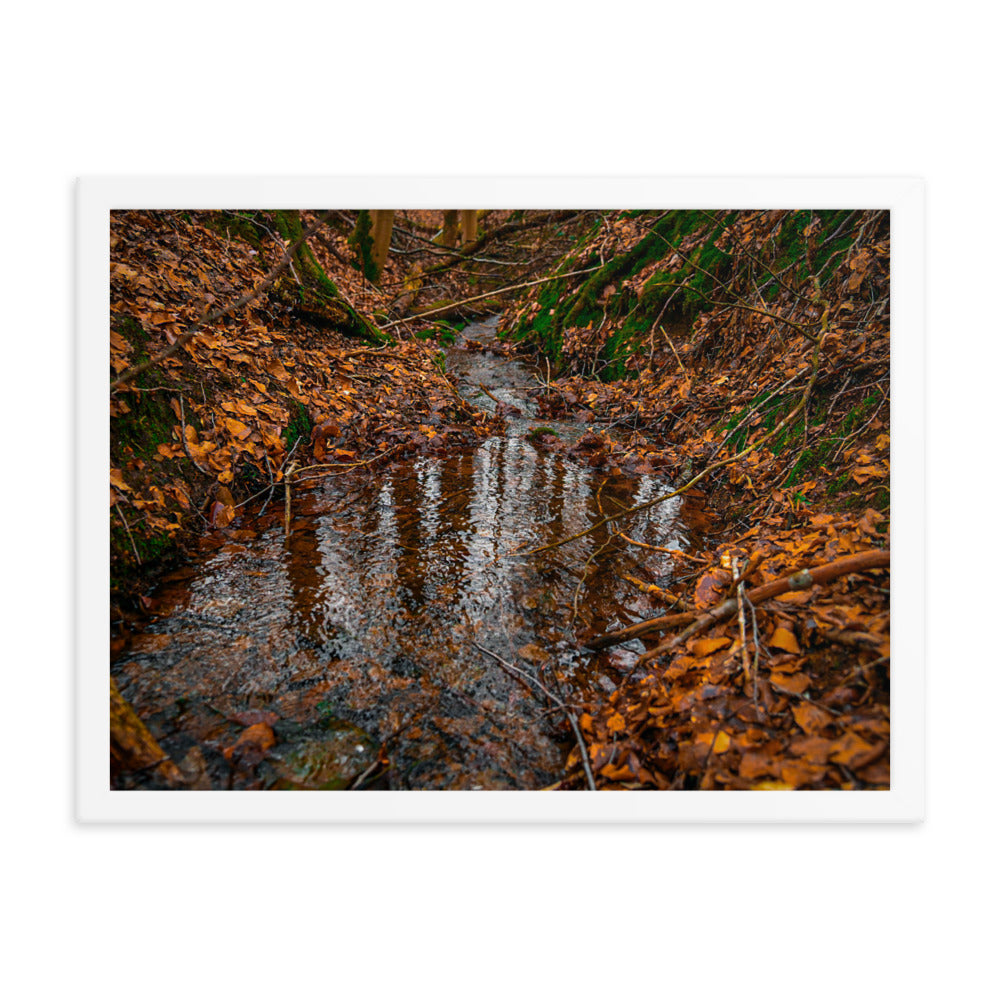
[(904, 802)]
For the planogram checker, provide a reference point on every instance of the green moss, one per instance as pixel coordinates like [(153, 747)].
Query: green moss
[(814, 457), (150, 547), (299, 426), (151, 420), (536, 432), (442, 333), (236, 224), (317, 294), (362, 243), (685, 289)]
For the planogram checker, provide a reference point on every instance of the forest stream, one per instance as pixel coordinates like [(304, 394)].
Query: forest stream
[(358, 641)]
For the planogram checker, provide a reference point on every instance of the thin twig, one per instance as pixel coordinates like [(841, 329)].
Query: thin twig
[(584, 753), (487, 295), (128, 531), (184, 440), (288, 500), (674, 349), (270, 473)]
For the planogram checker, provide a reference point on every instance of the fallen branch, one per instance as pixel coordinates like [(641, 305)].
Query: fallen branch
[(661, 548), (344, 465), (133, 746), (505, 229), (740, 596), (654, 591), (499, 402), (487, 295), (638, 629), (288, 499), (802, 580)]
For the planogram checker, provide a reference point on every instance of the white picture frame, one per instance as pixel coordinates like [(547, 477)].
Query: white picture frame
[(902, 802)]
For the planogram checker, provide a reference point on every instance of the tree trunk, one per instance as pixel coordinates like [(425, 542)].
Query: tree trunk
[(469, 228), (381, 236), (449, 238), (318, 295), (133, 747)]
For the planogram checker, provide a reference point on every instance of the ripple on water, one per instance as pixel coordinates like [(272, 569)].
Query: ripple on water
[(361, 629)]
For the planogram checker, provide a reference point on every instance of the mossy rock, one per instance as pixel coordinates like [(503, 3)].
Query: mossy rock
[(326, 762)]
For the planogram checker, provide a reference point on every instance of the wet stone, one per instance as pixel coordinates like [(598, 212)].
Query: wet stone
[(328, 762)]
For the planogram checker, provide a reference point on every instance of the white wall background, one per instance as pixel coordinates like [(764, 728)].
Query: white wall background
[(735, 88)]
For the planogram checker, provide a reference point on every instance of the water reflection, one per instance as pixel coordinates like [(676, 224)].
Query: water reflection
[(369, 614)]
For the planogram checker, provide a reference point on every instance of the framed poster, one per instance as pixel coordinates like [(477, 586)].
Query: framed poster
[(412, 505)]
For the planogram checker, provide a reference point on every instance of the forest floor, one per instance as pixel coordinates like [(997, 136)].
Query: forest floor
[(743, 357)]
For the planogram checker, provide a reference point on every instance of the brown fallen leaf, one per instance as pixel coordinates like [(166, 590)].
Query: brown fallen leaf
[(791, 683), (852, 751), (811, 719), (251, 746), (702, 647), (783, 639)]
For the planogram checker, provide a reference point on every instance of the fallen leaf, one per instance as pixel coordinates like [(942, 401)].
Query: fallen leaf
[(221, 515), (118, 482), (810, 718), (783, 639), (702, 647), (721, 739), (791, 683)]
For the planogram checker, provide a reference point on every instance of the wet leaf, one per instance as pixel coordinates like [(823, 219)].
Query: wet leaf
[(237, 428), (712, 587), (221, 515), (722, 740), (851, 749)]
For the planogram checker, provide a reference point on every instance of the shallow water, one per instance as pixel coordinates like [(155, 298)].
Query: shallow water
[(361, 632)]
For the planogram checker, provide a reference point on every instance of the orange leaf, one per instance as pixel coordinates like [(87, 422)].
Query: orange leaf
[(792, 683), (237, 428), (712, 587), (721, 739), (850, 750), (783, 639), (221, 515), (277, 369), (702, 647), (810, 718), (616, 723), (117, 481)]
